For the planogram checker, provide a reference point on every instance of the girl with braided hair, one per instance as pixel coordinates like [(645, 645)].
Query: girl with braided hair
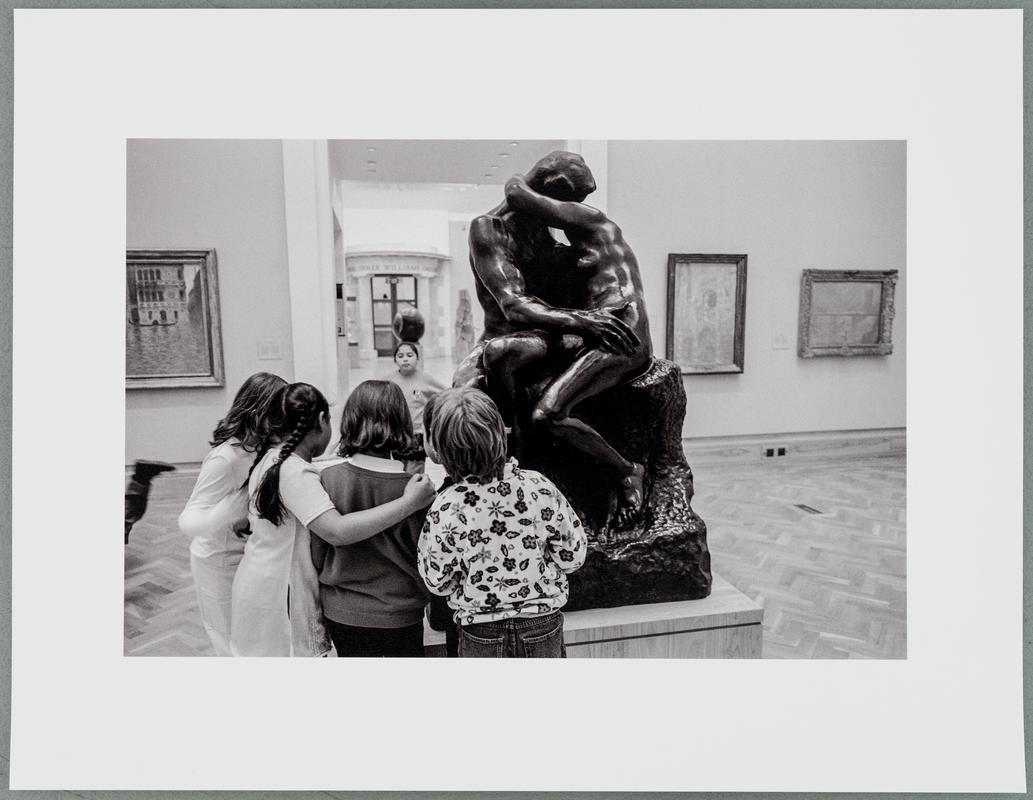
[(275, 606), (215, 516)]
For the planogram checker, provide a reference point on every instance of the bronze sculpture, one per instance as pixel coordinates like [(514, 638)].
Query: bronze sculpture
[(612, 344), (567, 335)]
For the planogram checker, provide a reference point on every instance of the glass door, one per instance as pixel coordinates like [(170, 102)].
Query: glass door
[(389, 292)]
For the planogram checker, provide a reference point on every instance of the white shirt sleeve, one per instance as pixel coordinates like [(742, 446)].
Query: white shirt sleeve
[(302, 492), (217, 499)]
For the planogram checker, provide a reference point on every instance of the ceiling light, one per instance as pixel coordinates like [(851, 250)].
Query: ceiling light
[(487, 174), (371, 163), (503, 155), (494, 166), (371, 149), (513, 144)]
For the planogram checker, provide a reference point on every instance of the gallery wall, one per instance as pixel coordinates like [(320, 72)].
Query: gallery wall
[(226, 195), (788, 206)]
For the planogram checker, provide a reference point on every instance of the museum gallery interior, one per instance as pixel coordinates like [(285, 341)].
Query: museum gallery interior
[(702, 344)]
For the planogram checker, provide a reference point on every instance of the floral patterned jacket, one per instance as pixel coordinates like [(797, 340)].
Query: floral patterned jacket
[(502, 548)]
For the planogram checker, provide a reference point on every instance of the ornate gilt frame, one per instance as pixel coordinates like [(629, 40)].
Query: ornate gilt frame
[(884, 346), (205, 259)]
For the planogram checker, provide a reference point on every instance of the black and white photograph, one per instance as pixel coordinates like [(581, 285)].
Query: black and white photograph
[(557, 488), (445, 336)]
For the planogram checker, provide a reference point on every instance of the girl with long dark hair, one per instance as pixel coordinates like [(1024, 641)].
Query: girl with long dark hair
[(215, 516)]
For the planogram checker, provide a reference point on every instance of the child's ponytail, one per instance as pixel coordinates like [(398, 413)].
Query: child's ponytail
[(301, 408)]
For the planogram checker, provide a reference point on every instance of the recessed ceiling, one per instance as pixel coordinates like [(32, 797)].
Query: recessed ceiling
[(469, 161)]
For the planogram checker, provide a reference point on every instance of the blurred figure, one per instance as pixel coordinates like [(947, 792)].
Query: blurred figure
[(464, 333), (139, 488)]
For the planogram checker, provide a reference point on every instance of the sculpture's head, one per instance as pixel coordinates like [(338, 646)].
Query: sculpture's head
[(562, 176)]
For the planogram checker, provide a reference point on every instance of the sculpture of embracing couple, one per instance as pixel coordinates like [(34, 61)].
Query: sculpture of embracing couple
[(574, 312)]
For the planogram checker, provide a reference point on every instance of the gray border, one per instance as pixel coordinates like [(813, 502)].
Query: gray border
[(6, 240)]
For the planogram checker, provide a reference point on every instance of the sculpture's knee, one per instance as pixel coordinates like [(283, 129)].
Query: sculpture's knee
[(495, 353), (545, 416)]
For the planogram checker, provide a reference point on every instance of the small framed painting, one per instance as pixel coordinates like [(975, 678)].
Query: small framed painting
[(706, 312), (846, 313), (173, 334)]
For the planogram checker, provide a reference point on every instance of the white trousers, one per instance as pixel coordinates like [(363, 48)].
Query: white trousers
[(213, 579)]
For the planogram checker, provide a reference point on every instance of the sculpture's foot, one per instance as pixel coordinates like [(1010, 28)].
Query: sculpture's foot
[(629, 497)]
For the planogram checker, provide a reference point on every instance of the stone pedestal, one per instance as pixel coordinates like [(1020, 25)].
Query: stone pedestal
[(662, 557), (727, 624)]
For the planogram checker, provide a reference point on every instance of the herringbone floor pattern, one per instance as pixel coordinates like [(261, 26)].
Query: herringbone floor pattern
[(832, 583)]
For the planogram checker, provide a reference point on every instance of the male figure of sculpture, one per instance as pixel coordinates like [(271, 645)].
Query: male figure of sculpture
[(600, 342)]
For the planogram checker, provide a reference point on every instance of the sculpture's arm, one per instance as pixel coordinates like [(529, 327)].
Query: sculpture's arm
[(495, 268), (555, 213)]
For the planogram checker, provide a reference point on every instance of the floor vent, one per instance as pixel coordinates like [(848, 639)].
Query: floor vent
[(808, 509)]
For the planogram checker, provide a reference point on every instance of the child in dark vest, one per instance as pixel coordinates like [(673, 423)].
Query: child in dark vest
[(500, 541), (372, 595)]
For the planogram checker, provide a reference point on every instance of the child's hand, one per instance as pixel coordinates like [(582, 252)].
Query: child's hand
[(419, 490)]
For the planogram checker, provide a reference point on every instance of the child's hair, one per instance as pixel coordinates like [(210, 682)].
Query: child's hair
[(300, 408), (466, 430), (248, 418), (376, 420), (411, 345)]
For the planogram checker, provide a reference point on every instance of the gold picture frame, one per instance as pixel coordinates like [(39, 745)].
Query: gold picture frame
[(173, 329)]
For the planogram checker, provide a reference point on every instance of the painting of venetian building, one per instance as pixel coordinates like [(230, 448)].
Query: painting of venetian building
[(172, 319)]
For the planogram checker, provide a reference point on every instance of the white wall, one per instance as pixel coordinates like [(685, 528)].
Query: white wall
[(385, 228), (227, 195), (789, 206)]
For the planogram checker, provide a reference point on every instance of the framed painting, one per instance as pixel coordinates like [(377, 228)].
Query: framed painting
[(173, 333), (846, 313), (706, 312)]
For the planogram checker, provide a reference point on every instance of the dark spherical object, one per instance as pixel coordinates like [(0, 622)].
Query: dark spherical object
[(408, 324)]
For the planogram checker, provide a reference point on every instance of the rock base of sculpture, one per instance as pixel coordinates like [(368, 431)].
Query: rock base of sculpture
[(663, 556)]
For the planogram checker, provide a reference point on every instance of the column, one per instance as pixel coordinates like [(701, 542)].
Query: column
[(310, 264), (595, 152)]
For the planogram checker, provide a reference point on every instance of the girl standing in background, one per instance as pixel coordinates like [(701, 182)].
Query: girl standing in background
[(417, 387)]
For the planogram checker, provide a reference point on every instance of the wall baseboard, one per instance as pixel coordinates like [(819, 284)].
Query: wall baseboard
[(812, 446)]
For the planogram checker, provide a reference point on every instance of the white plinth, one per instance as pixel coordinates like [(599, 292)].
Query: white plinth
[(727, 624)]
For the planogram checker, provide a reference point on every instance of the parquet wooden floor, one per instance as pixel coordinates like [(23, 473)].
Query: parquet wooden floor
[(832, 583)]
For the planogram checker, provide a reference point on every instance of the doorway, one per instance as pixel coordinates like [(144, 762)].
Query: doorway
[(389, 293)]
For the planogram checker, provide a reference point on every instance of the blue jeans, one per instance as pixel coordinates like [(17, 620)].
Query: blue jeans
[(517, 637)]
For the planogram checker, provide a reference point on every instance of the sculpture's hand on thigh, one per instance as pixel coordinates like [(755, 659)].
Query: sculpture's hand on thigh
[(592, 372)]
